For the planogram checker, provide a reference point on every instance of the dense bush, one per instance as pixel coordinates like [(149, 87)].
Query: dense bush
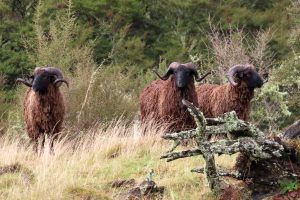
[(98, 92), (108, 48), (173, 29)]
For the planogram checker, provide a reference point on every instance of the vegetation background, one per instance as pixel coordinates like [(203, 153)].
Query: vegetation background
[(108, 48)]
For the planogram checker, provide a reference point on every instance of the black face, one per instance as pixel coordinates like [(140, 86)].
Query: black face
[(182, 76), (251, 78), (41, 82)]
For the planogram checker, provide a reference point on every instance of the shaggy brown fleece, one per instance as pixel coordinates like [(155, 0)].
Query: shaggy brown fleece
[(44, 114), (161, 100), (215, 100)]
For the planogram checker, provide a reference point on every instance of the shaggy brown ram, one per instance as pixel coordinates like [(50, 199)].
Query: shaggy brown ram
[(161, 100), (44, 107), (214, 99)]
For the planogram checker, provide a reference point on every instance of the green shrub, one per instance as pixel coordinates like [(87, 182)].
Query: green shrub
[(270, 108)]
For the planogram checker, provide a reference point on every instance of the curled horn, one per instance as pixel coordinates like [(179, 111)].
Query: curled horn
[(198, 78), (24, 82), (58, 75), (172, 66), (193, 67), (232, 71)]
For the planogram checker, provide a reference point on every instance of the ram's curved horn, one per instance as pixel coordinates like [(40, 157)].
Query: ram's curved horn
[(232, 71), (58, 76), (24, 82), (170, 70), (195, 73)]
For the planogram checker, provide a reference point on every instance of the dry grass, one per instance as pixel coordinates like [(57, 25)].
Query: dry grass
[(237, 47), (84, 168)]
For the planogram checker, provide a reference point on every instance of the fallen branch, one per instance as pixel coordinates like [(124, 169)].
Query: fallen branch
[(264, 155)]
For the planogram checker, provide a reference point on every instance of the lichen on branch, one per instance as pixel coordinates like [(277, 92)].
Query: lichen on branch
[(244, 137)]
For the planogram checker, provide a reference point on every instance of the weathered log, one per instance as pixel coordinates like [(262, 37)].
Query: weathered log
[(265, 159)]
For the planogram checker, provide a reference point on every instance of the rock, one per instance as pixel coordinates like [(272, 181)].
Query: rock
[(144, 191)]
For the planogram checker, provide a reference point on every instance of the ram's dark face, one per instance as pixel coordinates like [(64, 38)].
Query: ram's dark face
[(43, 78), (183, 76), (41, 81), (251, 78), (246, 73)]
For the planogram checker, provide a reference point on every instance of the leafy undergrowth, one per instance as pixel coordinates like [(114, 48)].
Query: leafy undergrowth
[(85, 168)]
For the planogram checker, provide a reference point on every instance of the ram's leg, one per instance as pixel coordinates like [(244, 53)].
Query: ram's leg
[(34, 135), (43, 138), (51, 145), (52, 139), (40, 144), (35, 145)]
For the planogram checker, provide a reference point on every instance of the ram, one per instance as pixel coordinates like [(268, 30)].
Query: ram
[(162, 99), (44, 106), (236, 95)]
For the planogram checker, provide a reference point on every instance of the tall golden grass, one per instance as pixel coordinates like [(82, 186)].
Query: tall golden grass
[(85, 166)]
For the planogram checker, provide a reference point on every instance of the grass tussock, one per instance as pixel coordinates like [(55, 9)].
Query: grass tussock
[(84, 167)]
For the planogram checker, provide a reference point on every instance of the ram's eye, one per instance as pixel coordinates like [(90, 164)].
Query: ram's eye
[(239, 75), (247, 75)]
